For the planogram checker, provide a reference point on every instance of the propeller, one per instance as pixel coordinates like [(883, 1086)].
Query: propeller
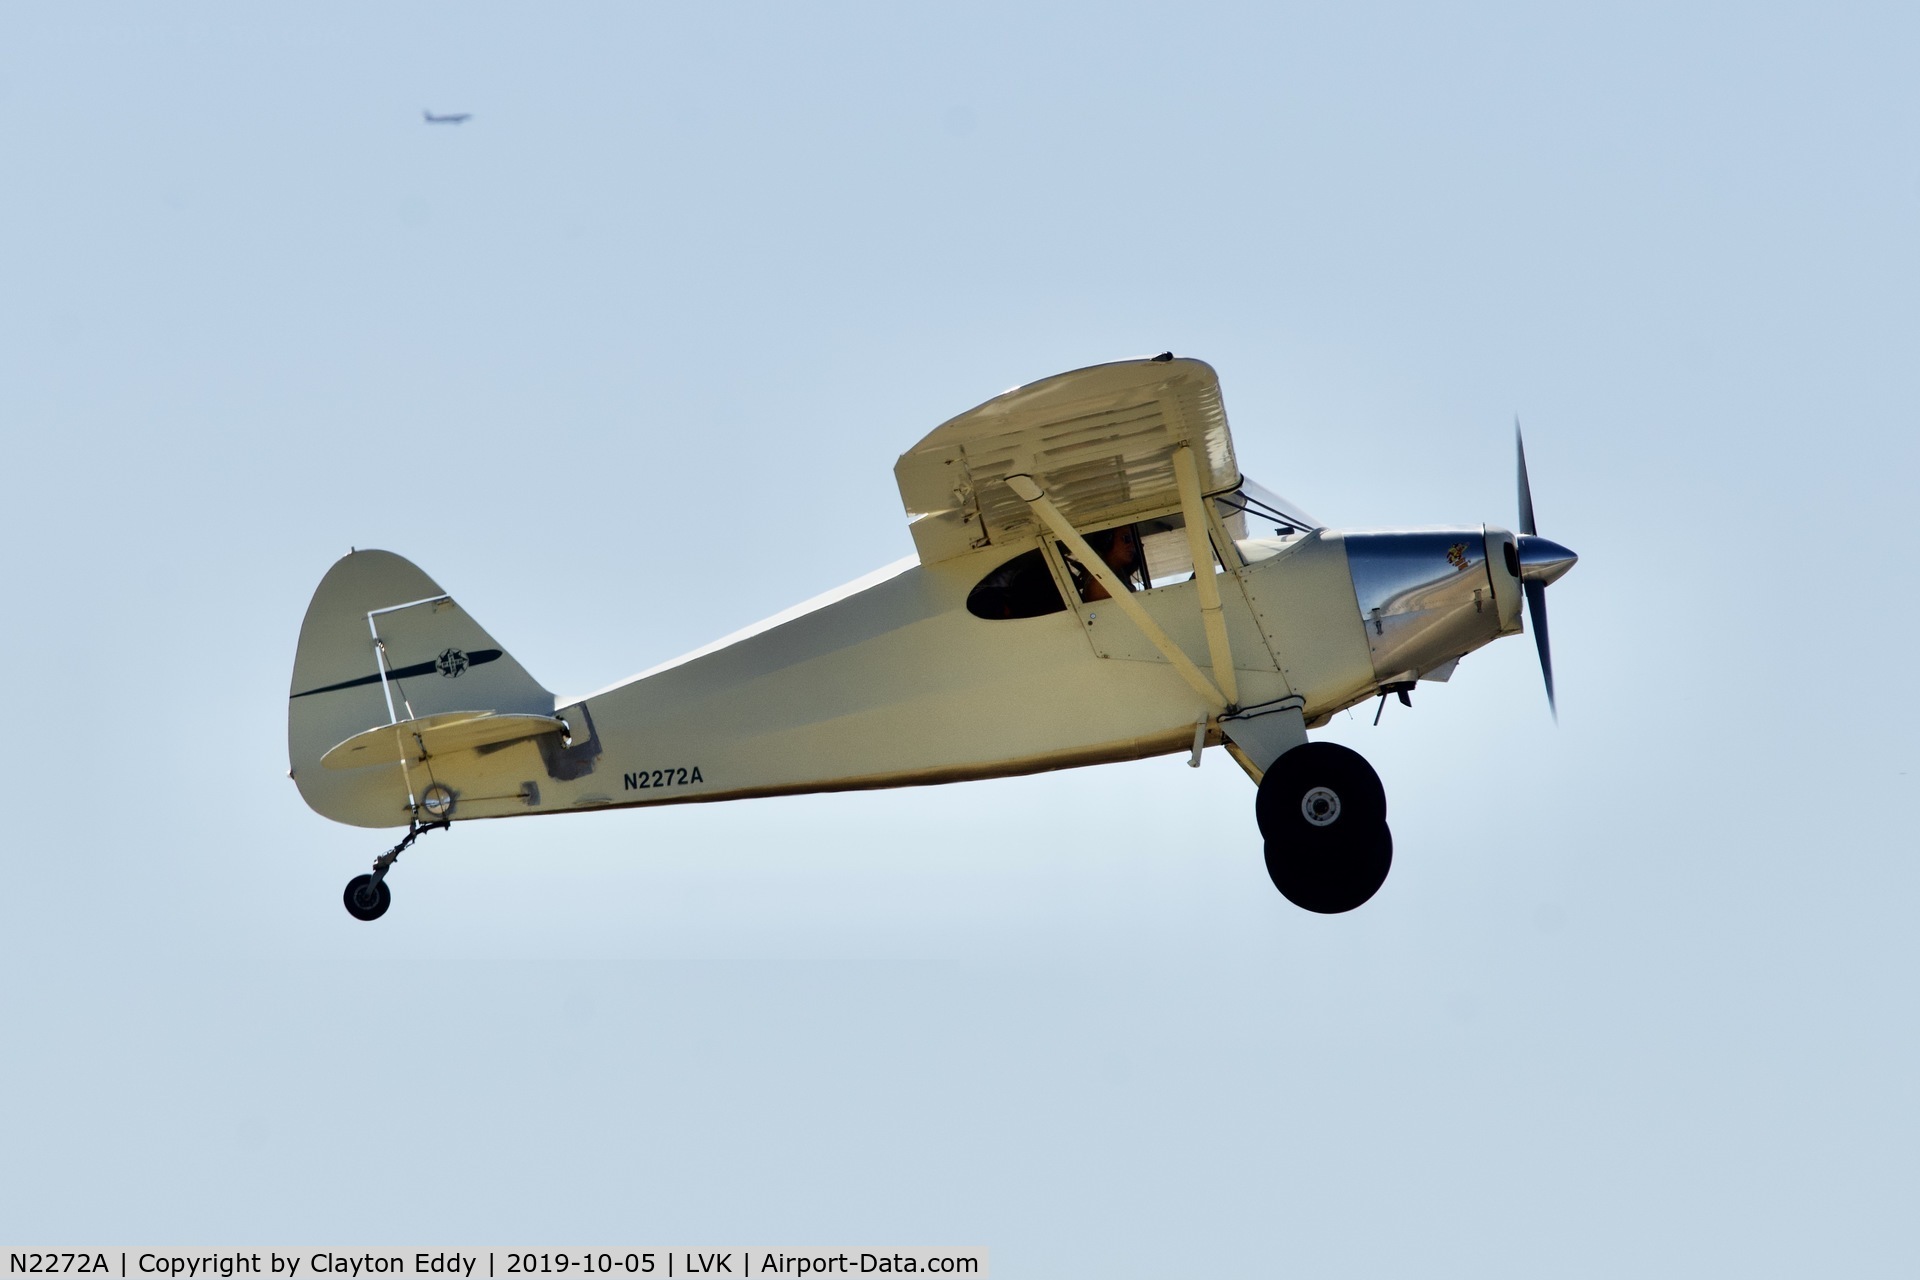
[(1542, 561)]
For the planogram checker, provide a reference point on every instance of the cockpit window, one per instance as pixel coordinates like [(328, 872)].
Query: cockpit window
[(1023, 587), (1169, 554), (1263, 508), (1163, 544), (1145, 554)]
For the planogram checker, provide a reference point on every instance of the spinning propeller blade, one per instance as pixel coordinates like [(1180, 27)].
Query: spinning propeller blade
[(1537, 619), (1526, 490), (1541, 561)]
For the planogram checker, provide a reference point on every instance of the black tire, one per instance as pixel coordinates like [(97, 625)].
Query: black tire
[(1332, 873), (1323, 813), (1306, 778), (366, 900)]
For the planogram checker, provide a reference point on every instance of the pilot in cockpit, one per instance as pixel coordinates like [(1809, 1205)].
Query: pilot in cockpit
[(1120, 548)]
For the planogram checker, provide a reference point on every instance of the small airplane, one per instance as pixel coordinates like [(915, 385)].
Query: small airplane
[(457, 117), (1095, 581)]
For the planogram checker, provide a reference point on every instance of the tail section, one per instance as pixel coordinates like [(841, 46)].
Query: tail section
[(383, 645)]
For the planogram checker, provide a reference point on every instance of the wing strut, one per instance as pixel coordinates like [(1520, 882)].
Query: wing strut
[(1027, 491), (1195, 509)]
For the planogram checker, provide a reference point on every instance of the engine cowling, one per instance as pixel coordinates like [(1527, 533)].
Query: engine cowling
[(1428, 596)]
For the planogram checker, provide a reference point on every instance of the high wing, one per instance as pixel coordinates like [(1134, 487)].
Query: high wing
[(1099, 441)]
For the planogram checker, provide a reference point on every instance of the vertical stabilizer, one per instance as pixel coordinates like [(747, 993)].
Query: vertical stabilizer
[(381, 643)]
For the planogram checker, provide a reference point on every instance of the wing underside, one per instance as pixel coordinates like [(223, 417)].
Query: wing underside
[(1099, 441)]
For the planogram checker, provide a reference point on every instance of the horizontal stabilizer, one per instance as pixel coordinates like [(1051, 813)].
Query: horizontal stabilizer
[(436, 735)]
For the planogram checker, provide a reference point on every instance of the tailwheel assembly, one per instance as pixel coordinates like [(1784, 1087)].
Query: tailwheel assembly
[(367, 897)]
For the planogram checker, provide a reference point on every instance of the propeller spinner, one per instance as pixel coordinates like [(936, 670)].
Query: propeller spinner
[(1542, 561)]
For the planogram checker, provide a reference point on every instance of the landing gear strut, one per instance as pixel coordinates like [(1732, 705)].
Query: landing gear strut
[(1324, 816), (367, 896)]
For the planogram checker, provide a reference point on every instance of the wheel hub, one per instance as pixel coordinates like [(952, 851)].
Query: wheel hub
[(1320, 806)]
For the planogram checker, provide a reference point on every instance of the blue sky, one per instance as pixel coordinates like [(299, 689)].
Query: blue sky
[(625, 362)]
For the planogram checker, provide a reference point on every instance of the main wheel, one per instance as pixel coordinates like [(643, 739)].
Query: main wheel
[(1317, 786), (1324, 815), (366, 900), (1329, 876)]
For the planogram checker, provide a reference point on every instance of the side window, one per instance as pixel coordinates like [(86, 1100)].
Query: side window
[(1023, 587), (1168, 553)]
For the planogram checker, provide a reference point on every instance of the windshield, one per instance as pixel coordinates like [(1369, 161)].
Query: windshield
[(1264, 509)]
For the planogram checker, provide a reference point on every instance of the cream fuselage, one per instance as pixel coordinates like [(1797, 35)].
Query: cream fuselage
[(898, 684)]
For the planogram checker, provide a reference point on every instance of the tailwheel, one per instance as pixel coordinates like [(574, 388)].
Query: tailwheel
[(1323, 813), (367, 898)]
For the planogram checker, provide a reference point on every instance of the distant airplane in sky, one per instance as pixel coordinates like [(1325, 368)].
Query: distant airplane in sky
[(456, 118)]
